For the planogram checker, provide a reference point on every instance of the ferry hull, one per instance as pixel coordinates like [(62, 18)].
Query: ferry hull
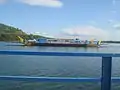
[(60, 45)]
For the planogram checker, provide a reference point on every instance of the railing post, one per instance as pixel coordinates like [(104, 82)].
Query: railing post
[(106, 73)]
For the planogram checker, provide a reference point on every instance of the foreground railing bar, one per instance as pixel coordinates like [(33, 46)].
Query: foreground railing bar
[(55, 79), (106, 73), (106, 68), (49, 79), (59, 54)]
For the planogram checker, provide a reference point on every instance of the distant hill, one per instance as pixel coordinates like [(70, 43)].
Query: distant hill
[(9, 33)]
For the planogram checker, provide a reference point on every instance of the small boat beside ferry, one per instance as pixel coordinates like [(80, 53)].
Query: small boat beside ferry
[(60, 42)]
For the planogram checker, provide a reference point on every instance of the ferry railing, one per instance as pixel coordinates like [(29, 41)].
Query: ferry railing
[(105, 78)]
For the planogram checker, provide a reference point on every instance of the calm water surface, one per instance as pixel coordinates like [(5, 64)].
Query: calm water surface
[(55, 66)]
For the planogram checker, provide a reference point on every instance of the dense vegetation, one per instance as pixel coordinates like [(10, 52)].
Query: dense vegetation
[(110, 41), (9, 33)]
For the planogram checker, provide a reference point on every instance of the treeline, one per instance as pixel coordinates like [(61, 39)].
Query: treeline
[(13, 37), (9, 33), (110, 41)]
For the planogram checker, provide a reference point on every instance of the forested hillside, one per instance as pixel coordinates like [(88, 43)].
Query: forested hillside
[(9, 33)]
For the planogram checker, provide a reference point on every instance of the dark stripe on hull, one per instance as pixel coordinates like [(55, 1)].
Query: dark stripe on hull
[(63, 45)]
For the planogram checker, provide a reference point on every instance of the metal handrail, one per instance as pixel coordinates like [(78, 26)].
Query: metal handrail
[(59, 54), (105, 76)]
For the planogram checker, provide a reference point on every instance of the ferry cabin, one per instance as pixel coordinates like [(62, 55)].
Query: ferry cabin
[(67, 41)]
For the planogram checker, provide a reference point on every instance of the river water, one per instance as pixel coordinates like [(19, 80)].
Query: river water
[(55, 66)]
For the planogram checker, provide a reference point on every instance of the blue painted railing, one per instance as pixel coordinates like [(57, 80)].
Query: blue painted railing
[(105, 78)]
